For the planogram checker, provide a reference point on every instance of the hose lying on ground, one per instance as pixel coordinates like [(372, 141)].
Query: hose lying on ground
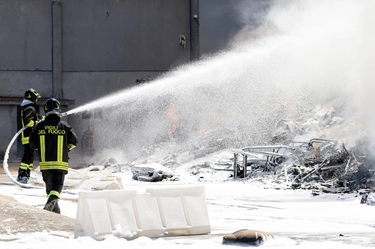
[(6, 170)]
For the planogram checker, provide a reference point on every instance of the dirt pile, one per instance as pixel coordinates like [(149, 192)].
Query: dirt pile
[(17, 218)]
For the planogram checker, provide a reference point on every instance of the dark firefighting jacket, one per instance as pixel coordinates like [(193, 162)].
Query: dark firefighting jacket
[(53, 138), (29, 117)]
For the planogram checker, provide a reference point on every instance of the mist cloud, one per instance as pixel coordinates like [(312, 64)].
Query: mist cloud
[(302, 54)]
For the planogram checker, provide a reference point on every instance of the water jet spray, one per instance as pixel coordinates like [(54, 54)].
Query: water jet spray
[(306, 57)]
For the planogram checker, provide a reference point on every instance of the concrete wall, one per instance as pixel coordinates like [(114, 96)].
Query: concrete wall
[(25, 35), (79, 50), (124, 35)]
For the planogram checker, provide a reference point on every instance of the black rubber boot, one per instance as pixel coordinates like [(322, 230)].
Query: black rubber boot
[(56, 209), (23, 176), (52, 204)]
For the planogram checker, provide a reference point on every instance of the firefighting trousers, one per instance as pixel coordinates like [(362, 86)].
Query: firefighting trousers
[(27, 157), (54, 181)]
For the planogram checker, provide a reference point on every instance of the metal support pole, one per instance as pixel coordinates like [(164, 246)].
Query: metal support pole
[(235, 165), (194, 30), (57, 90), (244, 165)]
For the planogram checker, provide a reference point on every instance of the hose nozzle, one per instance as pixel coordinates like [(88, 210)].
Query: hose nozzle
[(64, 114)]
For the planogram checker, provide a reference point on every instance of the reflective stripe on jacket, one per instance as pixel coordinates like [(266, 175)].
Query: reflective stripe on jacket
[(28, 118), (53, 139)]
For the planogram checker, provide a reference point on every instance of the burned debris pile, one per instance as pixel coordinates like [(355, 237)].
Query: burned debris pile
[(152, 173), (319, 164), (294, 154), (322, 165)]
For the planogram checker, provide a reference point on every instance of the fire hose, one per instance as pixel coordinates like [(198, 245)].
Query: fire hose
[(5, 162), (6, 167)]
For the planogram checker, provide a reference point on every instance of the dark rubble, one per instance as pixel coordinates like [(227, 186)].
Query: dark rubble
[(319, 164), (280, 154), (322, 165)]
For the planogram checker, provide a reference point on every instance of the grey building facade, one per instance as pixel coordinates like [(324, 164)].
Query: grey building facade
[(81, 50)]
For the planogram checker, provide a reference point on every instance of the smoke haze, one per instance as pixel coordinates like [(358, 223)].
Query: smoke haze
[(304, 53)]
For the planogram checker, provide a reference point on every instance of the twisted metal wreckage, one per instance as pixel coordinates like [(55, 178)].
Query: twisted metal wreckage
[(320, 164)]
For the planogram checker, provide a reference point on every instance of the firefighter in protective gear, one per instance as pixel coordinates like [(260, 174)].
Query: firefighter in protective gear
[(53, 138), (29, 118)]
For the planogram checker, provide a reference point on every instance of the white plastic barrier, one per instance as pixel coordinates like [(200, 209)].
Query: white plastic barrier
[(183, 210), (157, 212)]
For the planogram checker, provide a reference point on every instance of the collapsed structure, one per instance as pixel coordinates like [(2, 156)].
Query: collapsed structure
[(291, 153), (307, 164)]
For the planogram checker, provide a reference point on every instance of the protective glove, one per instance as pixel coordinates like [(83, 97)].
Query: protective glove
[(41, 118)]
